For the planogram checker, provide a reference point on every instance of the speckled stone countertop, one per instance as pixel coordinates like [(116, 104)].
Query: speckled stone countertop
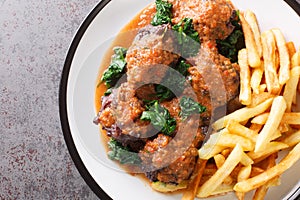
[(34, 39)]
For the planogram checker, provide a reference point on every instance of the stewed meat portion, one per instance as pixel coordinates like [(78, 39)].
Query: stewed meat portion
[(150, 54), (211, 18), (126, 114)]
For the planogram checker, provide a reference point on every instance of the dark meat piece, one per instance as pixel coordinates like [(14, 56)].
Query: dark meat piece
[(211, 18), (119, 117), (214, 79), (146, 92), (150, 55), (181, 167)]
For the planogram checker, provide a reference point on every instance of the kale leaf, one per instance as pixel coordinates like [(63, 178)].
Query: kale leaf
[(189, 106), (122, 154), (188, 38), (159, 117), (116, 68), (163, 13), (230, 46)]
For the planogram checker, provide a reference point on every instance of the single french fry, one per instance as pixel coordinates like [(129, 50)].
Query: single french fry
[(190, 192), (256, 77), (291, 88), (277, 110), (285, 65), (253, 56), (242, 114), (236, 128), (230, 140), (243, 174), (296, 59), (252, 183), (261, 192), (292, 139), (220, 160), (269, 47), (291, 48), (250, 17), (287, 118), (271, 148), (245, 88), (216, 180)]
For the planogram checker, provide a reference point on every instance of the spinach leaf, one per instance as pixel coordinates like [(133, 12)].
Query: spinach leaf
[(159, 117), (163, 13), (116, 68), (188, 38), (189, 106), (230, 46), (183, 67), (122, 154)]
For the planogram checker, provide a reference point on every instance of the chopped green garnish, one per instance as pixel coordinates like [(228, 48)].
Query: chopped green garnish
[(116, 68), (159, 117), (230, 46), (163, 13), (189, 106), (188, 38), (122, 154)]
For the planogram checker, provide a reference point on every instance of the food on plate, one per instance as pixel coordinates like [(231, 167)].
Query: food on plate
[(201, 102)]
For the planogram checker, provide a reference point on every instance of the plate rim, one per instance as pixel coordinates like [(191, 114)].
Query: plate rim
[(64, 119)]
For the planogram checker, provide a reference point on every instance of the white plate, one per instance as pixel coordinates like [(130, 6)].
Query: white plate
[(77, 88)]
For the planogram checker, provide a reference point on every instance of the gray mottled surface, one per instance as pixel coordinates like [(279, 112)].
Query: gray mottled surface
[(34, 39)]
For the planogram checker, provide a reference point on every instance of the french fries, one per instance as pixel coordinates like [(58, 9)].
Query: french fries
[(276, 113), (270, 69), (245, 88), (261, 179), (245, 143), (224, 171), (253, 55), (252, 21), (284, 57)]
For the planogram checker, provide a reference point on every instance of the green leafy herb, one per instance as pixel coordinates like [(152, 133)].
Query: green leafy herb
[(189, 106), (183, 67), (116, 68), (230, 46), (163, 13), (108, 92), (122, 154), (159, 117), (188, 38)]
